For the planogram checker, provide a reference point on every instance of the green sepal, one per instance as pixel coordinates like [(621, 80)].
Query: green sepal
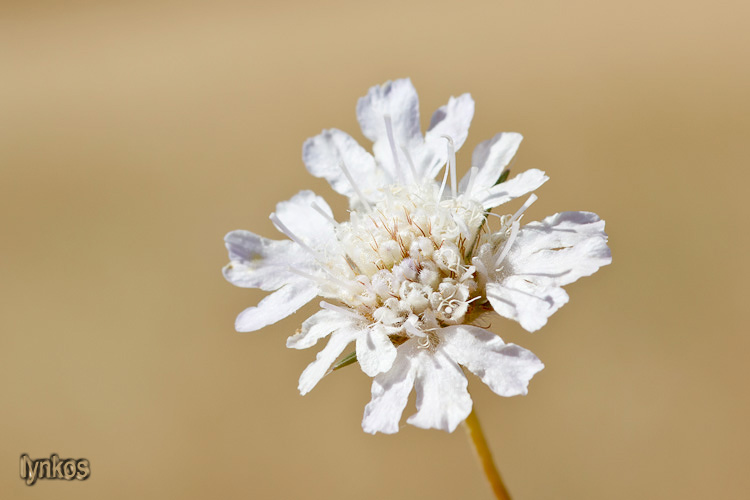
[(503, 177), (347, 360)]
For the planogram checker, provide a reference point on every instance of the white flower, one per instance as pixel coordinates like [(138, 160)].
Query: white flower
[(414, 267)]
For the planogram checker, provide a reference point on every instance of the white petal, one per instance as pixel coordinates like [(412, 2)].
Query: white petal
[(276, 306), (375, 352), (491, 157), (452, 120), (524, 301), (505, 368), (397, 100), (304, 221), (442, 399), (523, 183), (324, 153), (318, 326), (325, 358), (390, 393), (561, 248), (545, 256), (258, 262)]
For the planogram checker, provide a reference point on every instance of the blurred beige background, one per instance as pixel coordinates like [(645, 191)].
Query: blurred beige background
[(134, 135)]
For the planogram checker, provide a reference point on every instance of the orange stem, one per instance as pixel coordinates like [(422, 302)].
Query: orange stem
[(474, 429)]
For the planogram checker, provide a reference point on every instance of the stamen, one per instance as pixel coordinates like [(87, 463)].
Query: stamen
[(488, 224), (530, 201), (349, 177), (389, 133), (508, 243), (281, 227), (442, 186), (305, 275), (452, 163), (342, 310), (322, 212), (321, 281), (353, 265), (411, 164)]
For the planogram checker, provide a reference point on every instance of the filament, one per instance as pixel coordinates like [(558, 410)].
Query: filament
[(392, 142), (342, 310), (530, 201), (349, 177), (281, 227), (508, 243), (451, 163)]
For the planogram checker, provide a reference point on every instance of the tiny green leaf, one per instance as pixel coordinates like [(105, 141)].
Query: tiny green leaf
[(503, 177), (347, 360)]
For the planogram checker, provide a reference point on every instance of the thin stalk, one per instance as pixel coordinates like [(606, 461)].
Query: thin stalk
[(474, 429)]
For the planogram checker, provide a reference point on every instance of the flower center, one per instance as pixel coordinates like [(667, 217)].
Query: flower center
[(411, 254)]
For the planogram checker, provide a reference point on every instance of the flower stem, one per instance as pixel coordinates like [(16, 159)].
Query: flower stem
[(474, 429)]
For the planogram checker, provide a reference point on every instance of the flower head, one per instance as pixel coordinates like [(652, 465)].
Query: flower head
[(408, 275)]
